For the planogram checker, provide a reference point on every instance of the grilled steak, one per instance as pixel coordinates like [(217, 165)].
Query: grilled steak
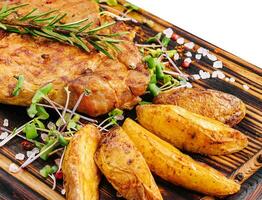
[(114, 83)]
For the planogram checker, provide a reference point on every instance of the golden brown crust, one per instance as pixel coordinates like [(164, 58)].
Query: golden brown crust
[(210, 103), (125, 168), (189, 131), (172, 165), (81, 176), (42, 61)]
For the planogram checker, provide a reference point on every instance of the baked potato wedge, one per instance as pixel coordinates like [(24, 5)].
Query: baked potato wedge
[(125, 168), (221, 106), (189, 131), (81, 175), (170, 164)]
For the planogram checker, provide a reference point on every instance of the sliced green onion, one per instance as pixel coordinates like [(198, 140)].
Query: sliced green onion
[(62, 141), (154, 89), (153, 79), (151, 62), (45, 171), (51, 145), (159, 71), (165, 41)]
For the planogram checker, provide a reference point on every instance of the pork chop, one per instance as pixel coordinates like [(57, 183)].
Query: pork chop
[(114, 83)]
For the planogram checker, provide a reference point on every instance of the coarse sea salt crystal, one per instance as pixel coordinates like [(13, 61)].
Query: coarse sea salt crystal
[(205, 52), (188, 54), (6, 123), (218, 64), (204, 75), (3, 135), (188, 60), (168, 32), (196, 76), (176, 56), (13, 168), (221, 75), (232, 79), (35, 150), (32, 153), (211, 57), (180, 41), (198, 56), (20, 156), (189, 45), (189, 85), (202, 51), (214, 74), (246, 87), (63, 191)]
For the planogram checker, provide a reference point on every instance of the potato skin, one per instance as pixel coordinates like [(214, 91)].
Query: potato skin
[(169, 163), (81, 175), (189, 131), (218, 105), (125, 168)]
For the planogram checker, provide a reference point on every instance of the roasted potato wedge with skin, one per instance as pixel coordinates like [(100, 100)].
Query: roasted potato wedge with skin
[(125, 168), (81, 174), (189, 131), (169, 163), (221, 106)]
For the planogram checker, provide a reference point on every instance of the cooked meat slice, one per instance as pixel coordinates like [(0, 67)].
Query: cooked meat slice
[(75, 9), (113, 82), (210, 103)]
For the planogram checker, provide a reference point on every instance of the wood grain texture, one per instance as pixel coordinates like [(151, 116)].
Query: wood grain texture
[(29, 180), (247, 161)]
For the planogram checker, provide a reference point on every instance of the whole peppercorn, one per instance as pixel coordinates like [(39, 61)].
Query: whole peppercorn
[(26, 145)]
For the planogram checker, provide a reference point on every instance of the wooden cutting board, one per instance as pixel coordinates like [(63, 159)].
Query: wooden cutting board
[(28, 184)]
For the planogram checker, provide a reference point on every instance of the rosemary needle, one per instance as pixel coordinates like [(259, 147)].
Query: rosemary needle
[(49, 25)]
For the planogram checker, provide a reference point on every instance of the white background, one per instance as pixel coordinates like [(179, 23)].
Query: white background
[(233, 25)]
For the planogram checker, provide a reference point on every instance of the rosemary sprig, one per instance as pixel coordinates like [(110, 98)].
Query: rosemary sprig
[(50, 25)]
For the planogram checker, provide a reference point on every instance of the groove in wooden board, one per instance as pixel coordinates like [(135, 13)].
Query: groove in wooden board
[(15, 189), (30, 181), (232, 161), (220, 166)]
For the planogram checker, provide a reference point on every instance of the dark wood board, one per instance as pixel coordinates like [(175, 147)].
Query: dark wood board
[(30, 185)]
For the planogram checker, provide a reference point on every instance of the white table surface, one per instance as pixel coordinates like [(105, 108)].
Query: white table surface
[(234, 25)]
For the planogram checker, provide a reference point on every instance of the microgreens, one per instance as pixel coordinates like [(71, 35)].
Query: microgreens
[(113, 116), (49, 25), (19, 85), (158, 57)]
